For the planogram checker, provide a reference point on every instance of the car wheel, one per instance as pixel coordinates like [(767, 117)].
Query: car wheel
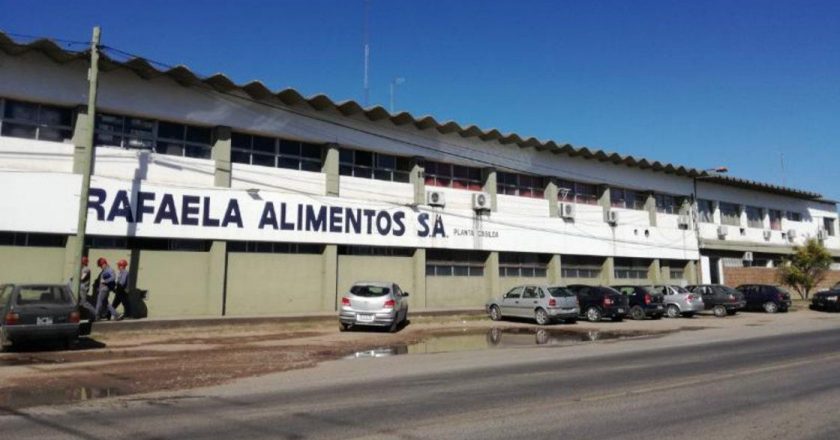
[(394, 325), (593, 314), (342, 327), (688, 314), (637, 313), (541, 316), (719, 311), (673, 311), (495, 313), (771, 307), (5, 343)]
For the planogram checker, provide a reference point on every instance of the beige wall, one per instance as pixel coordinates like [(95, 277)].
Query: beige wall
[(275, 284), (456, 292), (19, 264), (352, 268), (177, 284)]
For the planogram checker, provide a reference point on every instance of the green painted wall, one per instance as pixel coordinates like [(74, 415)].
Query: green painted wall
[(456, 292), (177, 284), (274, 284), (352, 268), (31, 264)]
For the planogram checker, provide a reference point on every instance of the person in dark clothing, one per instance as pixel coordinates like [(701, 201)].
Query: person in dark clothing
[(121, 289)]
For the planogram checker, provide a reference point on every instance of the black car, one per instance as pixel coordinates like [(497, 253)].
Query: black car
[(828, 300), (30, 312), (643, 302), (765, 297), (722, 300), (597, 302)]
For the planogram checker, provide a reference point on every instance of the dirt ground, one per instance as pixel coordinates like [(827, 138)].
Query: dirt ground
[(120, 362)]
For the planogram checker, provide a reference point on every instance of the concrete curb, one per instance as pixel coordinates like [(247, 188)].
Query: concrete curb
[(183, 322)]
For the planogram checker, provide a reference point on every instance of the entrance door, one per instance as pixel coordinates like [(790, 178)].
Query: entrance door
[(714, 270)]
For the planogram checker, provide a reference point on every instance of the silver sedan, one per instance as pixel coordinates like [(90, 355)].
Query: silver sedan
[(542, 303), (373, 303), (679, 301)]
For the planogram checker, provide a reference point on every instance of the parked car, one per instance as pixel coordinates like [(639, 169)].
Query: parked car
[(30, 312), (765, 297), (598, 302), (679, 301), (722, 300), (643, 302), (542, 303), (376, 304), (827, 300)]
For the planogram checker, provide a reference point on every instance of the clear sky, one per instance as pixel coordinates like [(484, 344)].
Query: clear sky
[(698, 83)]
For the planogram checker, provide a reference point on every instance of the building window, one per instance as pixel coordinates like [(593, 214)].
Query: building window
[(828, 225), (775, 219), (452, 176), (730, 214), (626, 198), (523, 265), (584, 193), (445, 262), (32, 240), (667, 204), (794, 216), (631, 269), (706, 210), (676, 273), (581, 267), (369, 165), (375, 251), (147, 134), (149, 244), (521, 185), (755, 217), (35, 121), (266, 247), (272, 152)]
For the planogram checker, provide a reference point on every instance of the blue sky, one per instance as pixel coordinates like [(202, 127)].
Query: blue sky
[(701, 83)]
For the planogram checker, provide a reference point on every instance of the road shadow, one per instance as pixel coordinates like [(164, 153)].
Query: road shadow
[(82, 344)]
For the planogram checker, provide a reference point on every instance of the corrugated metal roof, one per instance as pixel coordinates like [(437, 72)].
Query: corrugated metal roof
[(258, 91)]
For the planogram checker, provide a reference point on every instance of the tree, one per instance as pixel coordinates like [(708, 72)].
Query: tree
[(806, 268)]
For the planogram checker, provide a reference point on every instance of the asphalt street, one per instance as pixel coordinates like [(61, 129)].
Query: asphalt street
[(777, 386)]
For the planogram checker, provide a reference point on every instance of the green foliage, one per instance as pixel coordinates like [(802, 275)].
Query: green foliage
[(806, 268)]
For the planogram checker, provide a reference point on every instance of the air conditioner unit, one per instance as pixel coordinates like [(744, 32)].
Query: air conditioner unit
[(683, 221), (768, 235), (722, 231), (822, 234), (435, 198), (481, 201), (791, 234), (566, 210), (748, 256), (611, 217)]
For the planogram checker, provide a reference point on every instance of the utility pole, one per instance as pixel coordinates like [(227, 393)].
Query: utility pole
[(367, 52), (86, 141)]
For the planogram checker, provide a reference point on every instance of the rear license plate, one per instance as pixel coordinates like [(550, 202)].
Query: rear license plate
[(44, 321), (620, 310), (364, 318)]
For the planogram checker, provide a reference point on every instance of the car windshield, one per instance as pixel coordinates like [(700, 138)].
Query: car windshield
[(42, 295), (369, 291), (560, 292)]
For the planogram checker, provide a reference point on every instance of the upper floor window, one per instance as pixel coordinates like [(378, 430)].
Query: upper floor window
[(706, 210), (453, 176), (577, 192), (828, 225), (755, 217), (794, 216), (667, 204), (520, 185), (631, 268), (448, 262), (775, 219), (730, 214), (626, 198), (359, 163), (148, 134), (272, 152), (35, 121)]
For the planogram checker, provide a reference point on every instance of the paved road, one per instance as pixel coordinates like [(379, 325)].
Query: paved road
[(780, 386)]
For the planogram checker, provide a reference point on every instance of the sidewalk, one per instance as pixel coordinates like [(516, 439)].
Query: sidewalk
[(198, 321)]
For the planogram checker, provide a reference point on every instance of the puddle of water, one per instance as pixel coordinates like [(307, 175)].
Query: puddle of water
[(35, 397), (495, 338)]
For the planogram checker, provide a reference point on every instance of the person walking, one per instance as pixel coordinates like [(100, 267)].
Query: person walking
[(84, 287), (121, 290), (107, 283)]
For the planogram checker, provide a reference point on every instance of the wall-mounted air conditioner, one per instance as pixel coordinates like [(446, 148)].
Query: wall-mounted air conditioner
[(683, 221), (722, 231), (791, 234), (436, 198), (566, 210), (481, 201), (611, 217), (748, 256), (768, 234)]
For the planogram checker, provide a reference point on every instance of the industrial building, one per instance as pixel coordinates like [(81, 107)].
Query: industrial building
[(236, 200)]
